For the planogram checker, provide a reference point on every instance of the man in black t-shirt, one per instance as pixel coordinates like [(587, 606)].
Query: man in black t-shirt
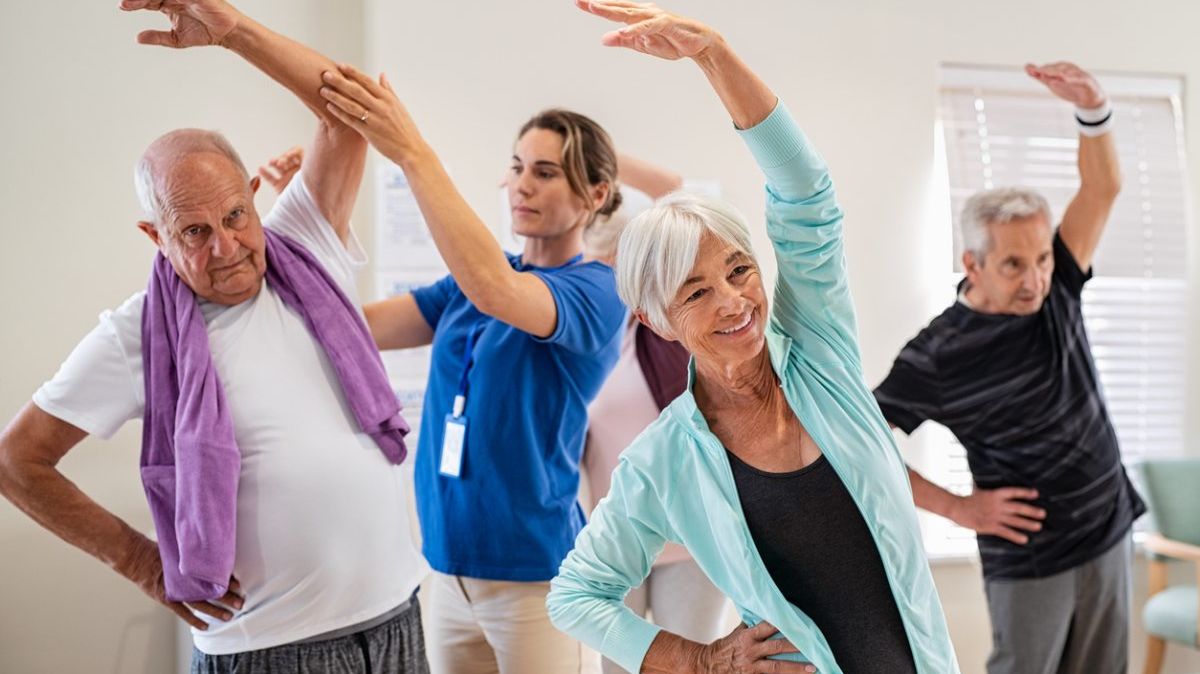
[(1008, 369)]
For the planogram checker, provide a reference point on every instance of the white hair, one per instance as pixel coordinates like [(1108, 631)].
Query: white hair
[(658, 249), (997, 207), (172, 146)]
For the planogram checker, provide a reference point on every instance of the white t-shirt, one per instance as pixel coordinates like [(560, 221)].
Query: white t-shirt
[(323, 538)]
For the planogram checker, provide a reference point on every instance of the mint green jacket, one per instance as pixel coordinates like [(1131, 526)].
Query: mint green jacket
[(674, 482)]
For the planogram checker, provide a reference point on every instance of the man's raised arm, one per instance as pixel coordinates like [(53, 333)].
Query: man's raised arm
[(1099, 171), (335, 163)]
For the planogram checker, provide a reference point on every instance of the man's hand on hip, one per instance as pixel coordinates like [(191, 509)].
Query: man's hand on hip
[(1002, 512), (144, 568)]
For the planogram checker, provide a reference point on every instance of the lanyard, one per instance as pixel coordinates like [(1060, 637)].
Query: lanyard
[(460, 398)]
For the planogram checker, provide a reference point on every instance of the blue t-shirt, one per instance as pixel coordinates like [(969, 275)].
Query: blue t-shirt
[(513, 514)]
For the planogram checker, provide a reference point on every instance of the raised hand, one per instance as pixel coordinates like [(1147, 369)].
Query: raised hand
[(651, 30), (1069, 82), (1003, 512), (279, 171), (372, 109), (194, 23)]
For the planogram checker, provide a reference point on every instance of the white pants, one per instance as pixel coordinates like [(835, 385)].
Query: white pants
[(681, 600), (498, 627)]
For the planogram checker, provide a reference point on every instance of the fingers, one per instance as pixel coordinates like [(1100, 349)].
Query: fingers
[(763, 630), (360, 78), (616, 10), (634, 36), (1011, 535), (352, 122), (386, 84), (785, 667), (187, 616), (159, 38), (1022, 523), (218, 612), (347, 88), (1023, 510), (134, 5), (350, 107), (772, 647), (1022, 493)]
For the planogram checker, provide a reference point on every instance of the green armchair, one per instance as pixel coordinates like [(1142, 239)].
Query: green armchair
[(1171, 612)]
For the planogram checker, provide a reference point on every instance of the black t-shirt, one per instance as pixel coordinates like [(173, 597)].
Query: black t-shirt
[(820, 553), (1022, 396)]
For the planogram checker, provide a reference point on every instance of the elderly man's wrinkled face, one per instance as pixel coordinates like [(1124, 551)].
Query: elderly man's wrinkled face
[(210, 231), (1014, 276), (720, 313)]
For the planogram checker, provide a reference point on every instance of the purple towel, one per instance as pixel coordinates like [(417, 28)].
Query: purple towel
[(190, 458)]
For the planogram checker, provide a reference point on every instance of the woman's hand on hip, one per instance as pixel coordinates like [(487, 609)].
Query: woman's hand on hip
[(372, 109), (747, 650)]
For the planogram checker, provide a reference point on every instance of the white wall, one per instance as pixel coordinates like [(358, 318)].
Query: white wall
[(83, 100)]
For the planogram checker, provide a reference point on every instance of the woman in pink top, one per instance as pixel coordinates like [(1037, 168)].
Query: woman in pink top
[(649, 374)]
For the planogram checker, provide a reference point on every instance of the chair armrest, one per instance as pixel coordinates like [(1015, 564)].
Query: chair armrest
[(1168, 548)]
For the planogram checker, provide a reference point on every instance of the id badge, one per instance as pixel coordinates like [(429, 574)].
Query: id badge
[(453, 442)]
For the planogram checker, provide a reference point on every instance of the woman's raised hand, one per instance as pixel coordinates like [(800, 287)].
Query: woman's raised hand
[(651, 30), (372, 109)]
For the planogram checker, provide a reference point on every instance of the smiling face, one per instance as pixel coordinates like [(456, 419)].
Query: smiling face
[(719, 314), (208, 228), (1014, 275)]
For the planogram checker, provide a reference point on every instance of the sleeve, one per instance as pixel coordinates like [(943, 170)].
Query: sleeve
[(433, 299), (911, 393), (804, 222), (613, 554), (99, 386), (589, 311), (296, 216), (1066, 268)]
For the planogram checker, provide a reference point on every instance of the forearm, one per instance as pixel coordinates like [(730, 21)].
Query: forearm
[(1099, 167), (54, 502), (470, 251), (655, 181), (746, 97), (931, 497), (284, 60)]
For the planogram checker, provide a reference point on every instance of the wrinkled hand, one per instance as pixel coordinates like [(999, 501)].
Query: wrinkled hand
[(279, 171), (194, 23), (1000, 512), (145, 570), (373, 110), (651, 30), (746, 651), (1070, 83)]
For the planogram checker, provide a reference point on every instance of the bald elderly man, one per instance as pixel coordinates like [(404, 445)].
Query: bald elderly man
[(270, 435)]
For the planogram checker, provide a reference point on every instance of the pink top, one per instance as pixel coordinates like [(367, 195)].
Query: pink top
[(622, 409)]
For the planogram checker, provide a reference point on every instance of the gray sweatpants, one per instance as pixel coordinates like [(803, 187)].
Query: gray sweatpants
[(395, 646), (1072, 622)]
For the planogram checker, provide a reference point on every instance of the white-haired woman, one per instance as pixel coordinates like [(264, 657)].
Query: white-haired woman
[(775, 468)]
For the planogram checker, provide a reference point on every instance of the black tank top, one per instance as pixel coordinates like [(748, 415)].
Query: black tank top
[(820, 553)]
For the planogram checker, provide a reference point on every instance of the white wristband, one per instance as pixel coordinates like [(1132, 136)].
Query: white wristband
[(1094, 122)]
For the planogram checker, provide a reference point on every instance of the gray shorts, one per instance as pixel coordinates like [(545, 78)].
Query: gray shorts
[(394, 646), (1074, 622)]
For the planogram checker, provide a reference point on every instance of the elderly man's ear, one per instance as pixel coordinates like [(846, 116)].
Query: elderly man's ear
[(150, 231)]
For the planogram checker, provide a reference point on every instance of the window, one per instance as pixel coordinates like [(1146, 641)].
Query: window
[(1000, 128)]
